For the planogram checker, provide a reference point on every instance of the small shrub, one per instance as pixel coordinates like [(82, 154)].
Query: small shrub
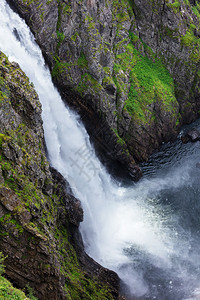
[(30, 292), (2, 258)]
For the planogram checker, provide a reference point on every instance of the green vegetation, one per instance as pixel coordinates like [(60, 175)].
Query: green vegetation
[(7, 291), (88, 83), (60, 67), (189, 39), (2, 258), (32, 199), (142, 79), (196, 10), (61, 38), (149, 82), (82, 61), (175, 5), (119, 139), (21, 153)]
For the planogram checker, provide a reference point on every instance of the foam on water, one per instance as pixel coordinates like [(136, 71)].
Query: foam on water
[(125, 228)]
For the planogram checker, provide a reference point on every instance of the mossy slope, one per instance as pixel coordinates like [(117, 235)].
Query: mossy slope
[(36, 229), (8, 292)]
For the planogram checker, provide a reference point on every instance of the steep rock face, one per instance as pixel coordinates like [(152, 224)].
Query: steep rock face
[(38, 219), (172, 31), (130, 67)]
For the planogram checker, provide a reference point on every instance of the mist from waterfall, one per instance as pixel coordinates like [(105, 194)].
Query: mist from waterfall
[(142, 231)]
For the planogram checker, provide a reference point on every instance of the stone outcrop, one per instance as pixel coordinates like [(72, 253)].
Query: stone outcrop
[(129, 67), (38, 219), (193, 135)]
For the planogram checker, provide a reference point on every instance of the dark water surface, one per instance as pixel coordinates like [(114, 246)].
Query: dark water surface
[(175, 178), (149, 232)]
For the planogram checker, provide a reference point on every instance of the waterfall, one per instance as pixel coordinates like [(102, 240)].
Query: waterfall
[(137, 229)]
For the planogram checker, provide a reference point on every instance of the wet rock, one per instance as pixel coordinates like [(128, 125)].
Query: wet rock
[(1, 177), (75, 211), (39, 216), (192, 135), (135, 172), (92, 36), (9, 199), (73, 205)]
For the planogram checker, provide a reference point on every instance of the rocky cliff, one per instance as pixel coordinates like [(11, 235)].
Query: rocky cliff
[(39, 217), (130, 67)]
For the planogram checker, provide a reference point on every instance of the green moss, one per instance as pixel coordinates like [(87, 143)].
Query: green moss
[(30, 192), (67, 9), (90, 22), (2, 268), (120, 141), (149, 82), (74, 36), (8, 292), (134, 38), (61, 37), (82, 61), (172, 33), (60, 67), (189, 39), (88, 83), (108, 80), (122, 16), (175, 6), (3, 138), (193, 43), (196, 9)]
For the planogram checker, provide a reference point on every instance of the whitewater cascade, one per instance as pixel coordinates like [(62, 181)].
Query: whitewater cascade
[(136, 230)]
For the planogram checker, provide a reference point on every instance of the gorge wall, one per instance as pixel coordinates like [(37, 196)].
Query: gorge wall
[(39, 217), (131, 70), (130, 67)]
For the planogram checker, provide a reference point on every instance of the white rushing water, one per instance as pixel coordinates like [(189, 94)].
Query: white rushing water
[(119, 222)]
